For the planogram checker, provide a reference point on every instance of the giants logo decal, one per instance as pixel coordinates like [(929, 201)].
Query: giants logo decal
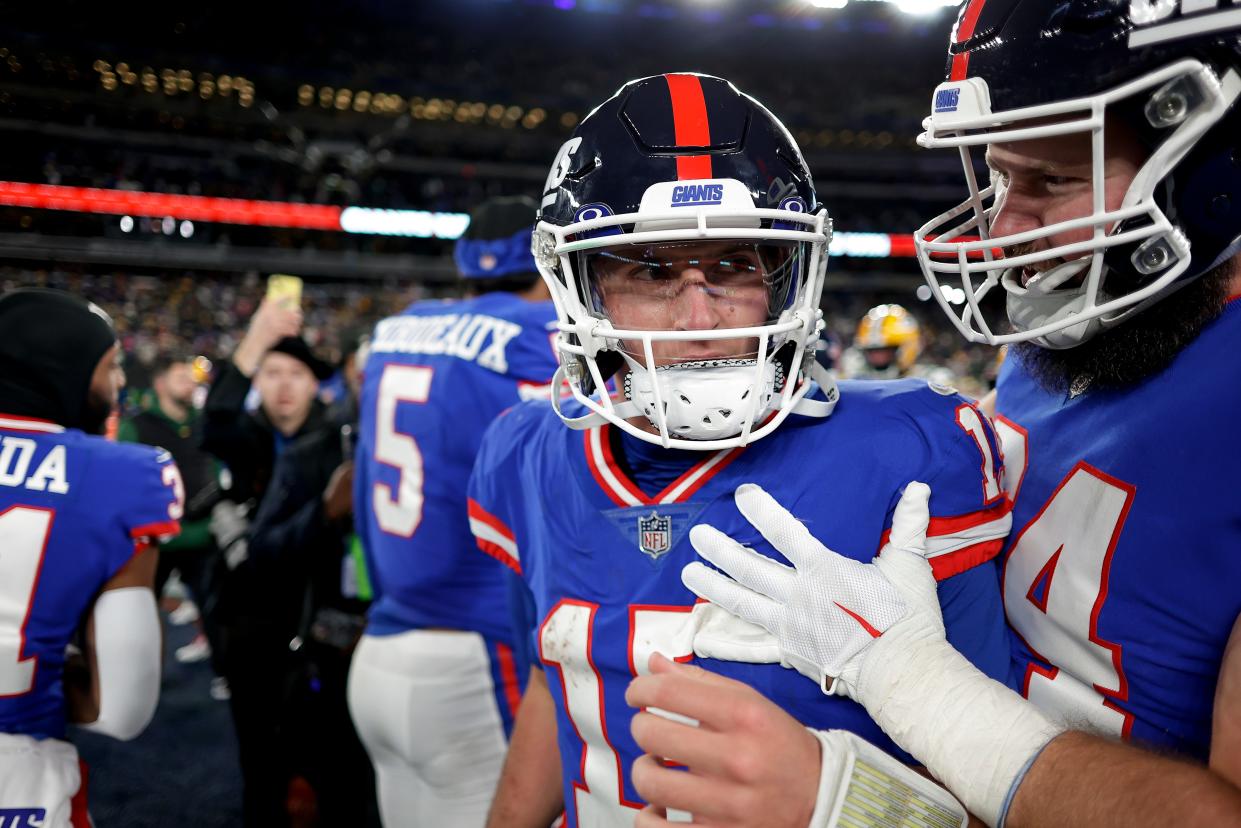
[(946, 100), (697, 195), (1157, 21)]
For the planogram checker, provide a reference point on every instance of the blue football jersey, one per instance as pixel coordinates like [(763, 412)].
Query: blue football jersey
[(602, 550), (1122, 578), (436, 376), (74, 509)]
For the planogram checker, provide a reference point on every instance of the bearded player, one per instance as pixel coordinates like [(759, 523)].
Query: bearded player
[(684, 245), (1113, 135)]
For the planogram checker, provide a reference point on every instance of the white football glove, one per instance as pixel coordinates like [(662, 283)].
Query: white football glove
[(876, 629), (826, 611)]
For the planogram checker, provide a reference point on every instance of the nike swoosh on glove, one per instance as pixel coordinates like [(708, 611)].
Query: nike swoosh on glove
[(826, 612)]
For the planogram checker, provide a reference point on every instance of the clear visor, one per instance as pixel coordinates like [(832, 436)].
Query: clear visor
[(712, 286)]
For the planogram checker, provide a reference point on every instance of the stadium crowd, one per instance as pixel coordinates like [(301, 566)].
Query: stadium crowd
[(205, 314)]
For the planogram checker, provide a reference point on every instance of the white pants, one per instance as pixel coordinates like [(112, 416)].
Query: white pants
[(40, 781), (425, 708)]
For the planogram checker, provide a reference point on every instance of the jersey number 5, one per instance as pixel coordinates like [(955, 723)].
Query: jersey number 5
[(1055, 586), (399, 513)]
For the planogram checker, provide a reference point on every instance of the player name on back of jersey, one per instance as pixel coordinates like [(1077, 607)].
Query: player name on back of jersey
[(18, 466), (469, 336)]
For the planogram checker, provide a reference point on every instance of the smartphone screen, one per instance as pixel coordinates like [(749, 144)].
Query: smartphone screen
[(284, 289)]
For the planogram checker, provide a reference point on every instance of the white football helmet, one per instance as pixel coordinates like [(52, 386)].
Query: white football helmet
[(1026, 69), (673, 174)]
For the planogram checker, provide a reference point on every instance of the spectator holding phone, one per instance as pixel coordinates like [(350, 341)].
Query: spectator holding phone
[(259, 609), (302, 537)]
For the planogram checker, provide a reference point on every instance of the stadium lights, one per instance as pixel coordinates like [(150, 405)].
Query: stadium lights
[(913, 7), (414, 223), (921, 8), (130, 203)]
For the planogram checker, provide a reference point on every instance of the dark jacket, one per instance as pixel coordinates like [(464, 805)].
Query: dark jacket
[(291, 533), (255, 602)]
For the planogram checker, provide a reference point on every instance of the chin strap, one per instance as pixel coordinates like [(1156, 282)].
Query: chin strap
[(808, 407), (624, 409)]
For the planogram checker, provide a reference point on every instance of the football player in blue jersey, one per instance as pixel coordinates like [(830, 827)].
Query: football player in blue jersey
[(78, 516), (434, 682), (1115, 201), (685, 249)]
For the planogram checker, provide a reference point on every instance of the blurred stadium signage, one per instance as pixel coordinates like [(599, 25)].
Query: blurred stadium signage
[(422, 224)]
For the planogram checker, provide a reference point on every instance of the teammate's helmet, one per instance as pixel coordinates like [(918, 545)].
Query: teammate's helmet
[(1024, 69), (495, 246), (890, 328), (668, 164)]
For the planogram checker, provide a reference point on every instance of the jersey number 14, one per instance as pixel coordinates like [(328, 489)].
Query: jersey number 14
[(1055, 587)]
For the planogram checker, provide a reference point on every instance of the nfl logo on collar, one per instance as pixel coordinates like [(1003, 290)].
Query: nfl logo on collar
[(654, 535)]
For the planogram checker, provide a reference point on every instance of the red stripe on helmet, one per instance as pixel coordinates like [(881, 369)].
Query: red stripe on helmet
[(960, 63), (969, 21), (689, 120)]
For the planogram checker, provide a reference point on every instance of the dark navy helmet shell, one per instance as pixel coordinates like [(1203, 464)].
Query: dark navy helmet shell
[(1021, 69), (676, 127), (671, 169)]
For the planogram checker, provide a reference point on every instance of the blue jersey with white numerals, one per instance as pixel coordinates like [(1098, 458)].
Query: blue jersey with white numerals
[(597, 526), (436, 376), (74, 508), (1123, 574)]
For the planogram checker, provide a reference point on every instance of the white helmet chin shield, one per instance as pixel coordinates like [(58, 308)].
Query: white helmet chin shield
[(716, 401), (1059, 294), (705, 400)]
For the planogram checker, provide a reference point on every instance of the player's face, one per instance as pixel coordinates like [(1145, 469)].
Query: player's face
[(879, 358), (1046, 181), (702, 286), (177, 383), (287, 387), (105, 390)]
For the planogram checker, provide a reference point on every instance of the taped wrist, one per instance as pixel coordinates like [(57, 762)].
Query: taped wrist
[(860, 785), (971, 732)]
